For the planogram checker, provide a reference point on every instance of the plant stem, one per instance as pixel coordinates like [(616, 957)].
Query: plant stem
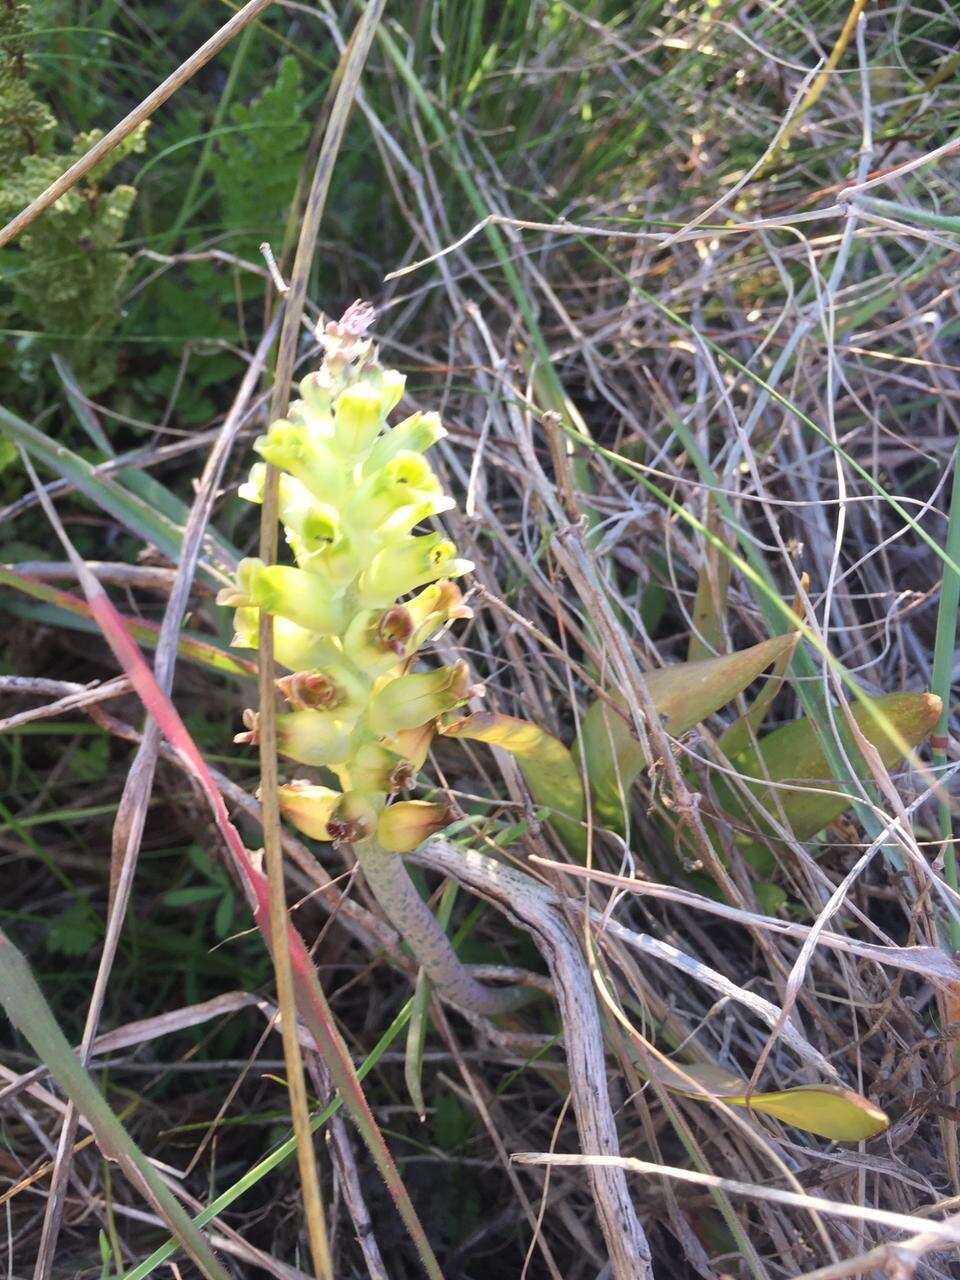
[(392, 887), (353, 61), (943, 655)]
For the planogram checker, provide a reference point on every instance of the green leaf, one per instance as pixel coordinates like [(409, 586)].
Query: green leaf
[(683, 695), (64, 606), (793, 755), (90, 762), (30, 1014), (223, 916), (257, 160), (73, 933), (192, 896), (451, 1123), (710, 602), (546, 764), (139, 516), (416, 1040), (827, 1110)]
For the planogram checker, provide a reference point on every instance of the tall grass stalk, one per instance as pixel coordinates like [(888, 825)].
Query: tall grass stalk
[(943, 658)]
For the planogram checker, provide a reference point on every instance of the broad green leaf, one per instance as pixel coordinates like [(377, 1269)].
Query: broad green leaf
[(793, 754), (683, 695), (741, 733), (738, 736), (710, 602), (827, 1110), (29, 1012), (546, 764)]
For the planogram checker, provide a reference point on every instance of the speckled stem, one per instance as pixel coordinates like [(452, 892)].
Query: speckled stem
[(392, 887)]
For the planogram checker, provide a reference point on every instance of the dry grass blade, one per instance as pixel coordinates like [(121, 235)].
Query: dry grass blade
[(132, 813), (947, 1232), (29, 1012), (532, 908), (310, 999)]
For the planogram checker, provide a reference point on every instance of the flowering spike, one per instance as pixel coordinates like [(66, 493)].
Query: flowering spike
[(368, 590)]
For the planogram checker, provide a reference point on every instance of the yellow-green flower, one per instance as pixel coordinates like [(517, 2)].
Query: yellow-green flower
[(370, 585)]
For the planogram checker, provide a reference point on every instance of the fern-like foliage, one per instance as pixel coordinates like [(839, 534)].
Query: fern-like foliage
[(259, 157), (25, 121), (65, 272)]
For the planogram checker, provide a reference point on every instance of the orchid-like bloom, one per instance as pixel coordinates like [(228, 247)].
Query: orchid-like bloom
[(366, 590)]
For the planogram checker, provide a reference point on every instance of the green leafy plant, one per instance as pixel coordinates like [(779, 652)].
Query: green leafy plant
[(351, 617), (258, 156), (74, 932), (25, 121), (216, 895), (66, 272)]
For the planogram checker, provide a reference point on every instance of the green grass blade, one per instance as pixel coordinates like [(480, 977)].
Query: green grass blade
[(190, 647), (944, 654), (140, 516), (276, 1158), (29, 1012)]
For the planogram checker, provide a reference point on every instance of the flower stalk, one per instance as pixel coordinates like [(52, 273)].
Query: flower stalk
[(349, 618)]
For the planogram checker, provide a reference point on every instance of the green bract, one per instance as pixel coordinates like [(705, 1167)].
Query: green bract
[(364, 594)]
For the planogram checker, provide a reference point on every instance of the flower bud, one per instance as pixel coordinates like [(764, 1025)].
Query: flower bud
[(344, 341), (314, 737), (309, 807), (405, 518), (317, 392), (374, 768), (361, 410), (407, 823), (405, 481), (291, 447), (246, 626), (355, 818), (409, 701), (302, 597), (309, 525), (416, 434), (413, 744), (293, 647), (415, 561)]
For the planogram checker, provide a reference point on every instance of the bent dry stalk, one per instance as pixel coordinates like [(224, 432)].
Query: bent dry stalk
[(352, 491)]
